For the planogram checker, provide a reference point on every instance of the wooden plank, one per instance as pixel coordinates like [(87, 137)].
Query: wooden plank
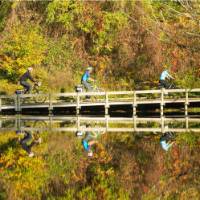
[(100, 129)]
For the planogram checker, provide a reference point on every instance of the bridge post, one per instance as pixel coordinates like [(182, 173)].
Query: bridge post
[(186, 102), (78, 123), (78, 104), (162, 103), (0, 104), (107, 123), (50, 123), (50, 104), (17, 103), (106, 104), (186, 123), (18, 122), (134, 110), (134, 104), (162, 124)]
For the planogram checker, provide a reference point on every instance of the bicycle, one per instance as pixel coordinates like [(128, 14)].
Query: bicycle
[(94, 88), (169, 85), (35, 90)]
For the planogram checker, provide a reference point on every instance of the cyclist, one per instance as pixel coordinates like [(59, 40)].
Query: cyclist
[(88, 141), (165, 75), (23, 80), (28, 141), (166, 140), (86, 78)]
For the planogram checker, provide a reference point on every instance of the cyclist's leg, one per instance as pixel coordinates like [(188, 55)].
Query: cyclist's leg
[(162, 84), (166, 84), (27, 86), (26, 148), (24, 141), (88, 87)]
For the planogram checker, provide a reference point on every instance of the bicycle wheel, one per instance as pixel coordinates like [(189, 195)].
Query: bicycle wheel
[(40, 124), (40, 98)]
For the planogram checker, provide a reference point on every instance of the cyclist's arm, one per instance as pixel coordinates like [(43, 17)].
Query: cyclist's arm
[(169, 76), (91, 79), (31, 78)]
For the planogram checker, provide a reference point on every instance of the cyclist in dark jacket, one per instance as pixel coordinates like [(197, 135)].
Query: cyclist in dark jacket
[(23, 80), (28, 141)]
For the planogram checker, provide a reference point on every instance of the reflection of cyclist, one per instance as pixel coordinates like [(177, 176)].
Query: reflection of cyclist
[(166, 140), (28, 141), (88, 141), (86, 78), (165, 75), (23, 80)]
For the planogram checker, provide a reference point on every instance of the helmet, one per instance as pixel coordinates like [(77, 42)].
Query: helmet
[(30, 69), (90, 153), (89, 68), (79, 133)]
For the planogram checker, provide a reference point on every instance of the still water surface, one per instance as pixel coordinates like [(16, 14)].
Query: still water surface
[(138, 155)]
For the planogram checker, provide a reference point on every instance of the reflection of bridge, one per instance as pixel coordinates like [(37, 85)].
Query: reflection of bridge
[(102, 124), (184, 97)]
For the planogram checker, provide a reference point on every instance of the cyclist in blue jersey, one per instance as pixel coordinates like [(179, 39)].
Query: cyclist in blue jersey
[(166, 140), (165, 75), (86, 78), (88, 141)]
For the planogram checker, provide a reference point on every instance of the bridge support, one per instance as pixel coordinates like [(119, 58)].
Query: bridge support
[(106, 104), (162, 124), (17, 104), (18, 122), (77, 111), (77, 104), (0, 104), (134, 110), (50, 104), (162, 103), (186, 102), (134, 105)]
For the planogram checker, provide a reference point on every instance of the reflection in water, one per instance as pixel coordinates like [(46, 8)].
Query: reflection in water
[(28, 141), (108, 124), (167, 140), (89, 140), (126, 165)]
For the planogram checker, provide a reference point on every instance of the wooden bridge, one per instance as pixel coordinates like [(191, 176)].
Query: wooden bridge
[(77, 101), (100, 124)]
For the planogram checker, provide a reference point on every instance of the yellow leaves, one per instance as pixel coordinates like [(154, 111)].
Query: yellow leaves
[(22, 47), (191, 193)]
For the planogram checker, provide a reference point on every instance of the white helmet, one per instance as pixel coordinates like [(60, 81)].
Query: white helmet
[(90, 153), (30, 69), (89, 68)]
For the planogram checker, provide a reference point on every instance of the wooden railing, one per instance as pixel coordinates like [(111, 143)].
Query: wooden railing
[(105, 124), (106, 99)]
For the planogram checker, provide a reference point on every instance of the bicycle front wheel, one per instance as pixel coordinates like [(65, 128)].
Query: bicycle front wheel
[(40, 98)]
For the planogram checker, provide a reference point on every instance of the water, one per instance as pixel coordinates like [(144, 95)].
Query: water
[(126, 157), (104, 123)]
